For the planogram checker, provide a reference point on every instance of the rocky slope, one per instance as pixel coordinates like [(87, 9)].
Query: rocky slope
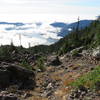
[(53, 83), (67, 70)]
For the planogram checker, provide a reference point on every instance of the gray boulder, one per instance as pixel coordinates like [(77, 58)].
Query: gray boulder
[(54, 61), (96, 53), (4, 77), (14, 74), (8, 97), (19, 72), (80, 49), (77, 52)]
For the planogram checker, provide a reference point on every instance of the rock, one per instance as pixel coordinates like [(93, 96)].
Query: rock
[(49, 86), (77, 51), (96, 53), (4, 77), (16, 74), (28, 84), (54, 61), (82, 88), (97, 85), (27, 95), (84, 52), (47, 93), (79, 93), (19, 72), (8, 97)]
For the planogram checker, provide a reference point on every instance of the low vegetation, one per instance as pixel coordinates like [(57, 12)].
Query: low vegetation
[(75, 53), (88, 80), (40, 64), (26, 65), (5, 53)]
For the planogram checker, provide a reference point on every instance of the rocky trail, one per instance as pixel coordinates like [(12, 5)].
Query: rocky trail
[(54, 83), (51, 84)]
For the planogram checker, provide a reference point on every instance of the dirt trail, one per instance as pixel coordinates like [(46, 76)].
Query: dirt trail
[(53, 84)]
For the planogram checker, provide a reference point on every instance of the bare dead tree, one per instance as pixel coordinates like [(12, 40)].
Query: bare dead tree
[(78, 24), (11, 41), (20, 39), (29, 45)]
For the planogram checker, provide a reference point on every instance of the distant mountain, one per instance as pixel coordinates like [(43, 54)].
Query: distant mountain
[(59, 24), (11, 23), (66, 28)]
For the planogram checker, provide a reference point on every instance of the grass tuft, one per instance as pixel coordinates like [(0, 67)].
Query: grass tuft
[(88, 80)]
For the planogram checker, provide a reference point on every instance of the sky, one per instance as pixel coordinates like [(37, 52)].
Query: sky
[(31, 12), (48, 10)]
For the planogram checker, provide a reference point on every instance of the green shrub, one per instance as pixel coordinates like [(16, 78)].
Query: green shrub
[(88, 80), (26, 65), (40, 64), (75, 53), (5, 54)]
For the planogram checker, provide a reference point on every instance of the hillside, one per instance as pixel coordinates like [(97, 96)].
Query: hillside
[(67, 28), (66, 70), (87, 37)]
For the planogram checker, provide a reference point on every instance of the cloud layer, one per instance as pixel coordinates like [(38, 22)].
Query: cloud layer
[(30, 33)]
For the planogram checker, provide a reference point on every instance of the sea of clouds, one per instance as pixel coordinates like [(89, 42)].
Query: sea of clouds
[(30, 34)]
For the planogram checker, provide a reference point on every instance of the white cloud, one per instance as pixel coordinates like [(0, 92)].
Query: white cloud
[(33, 34), (30, 10)]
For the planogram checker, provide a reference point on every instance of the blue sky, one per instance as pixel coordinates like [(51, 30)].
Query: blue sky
[(48, 10), (89, 3)]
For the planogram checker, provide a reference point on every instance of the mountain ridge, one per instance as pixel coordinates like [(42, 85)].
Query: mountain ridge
[(65, 27)]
